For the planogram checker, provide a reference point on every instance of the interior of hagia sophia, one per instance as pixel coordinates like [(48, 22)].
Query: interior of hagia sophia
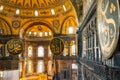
[(59, 40), (26, 30)]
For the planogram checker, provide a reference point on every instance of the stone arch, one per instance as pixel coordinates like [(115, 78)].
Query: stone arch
[(68, 21), (31, 23), (4, 25)]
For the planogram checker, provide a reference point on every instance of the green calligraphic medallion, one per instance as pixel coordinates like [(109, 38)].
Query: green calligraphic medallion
[(15, 46), (108, 26), (57, 46)]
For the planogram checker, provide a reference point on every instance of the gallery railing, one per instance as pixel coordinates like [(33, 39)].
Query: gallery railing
[(104, 72)]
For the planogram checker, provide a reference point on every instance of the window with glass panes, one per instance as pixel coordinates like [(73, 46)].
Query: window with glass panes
[(90, 41)]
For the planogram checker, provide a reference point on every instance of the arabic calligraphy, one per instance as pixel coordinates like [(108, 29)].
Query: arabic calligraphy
[(107, 26), (15, 46), (57, 46)]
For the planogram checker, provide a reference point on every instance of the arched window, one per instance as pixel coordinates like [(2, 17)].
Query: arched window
[(40, 66), (30, 50), (74, 71), (73, 49), (74, 66), (30, 67), (70, 30), (66, 48), (40, 51)]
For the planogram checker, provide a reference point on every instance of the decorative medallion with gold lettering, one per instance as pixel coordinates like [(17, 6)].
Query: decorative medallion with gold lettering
[(15, 46), (108, 26), (57, 46)]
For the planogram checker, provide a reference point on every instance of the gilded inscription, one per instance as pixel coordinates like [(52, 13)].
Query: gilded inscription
[(107, 13), (15, 46), (57, 46)]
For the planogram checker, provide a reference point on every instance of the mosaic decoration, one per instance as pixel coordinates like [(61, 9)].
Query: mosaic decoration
[(56, 23), (16, 24), (27, 8)]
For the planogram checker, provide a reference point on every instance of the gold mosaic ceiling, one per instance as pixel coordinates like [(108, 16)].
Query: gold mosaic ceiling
[(54, 13), (28, 8), (32, 3)]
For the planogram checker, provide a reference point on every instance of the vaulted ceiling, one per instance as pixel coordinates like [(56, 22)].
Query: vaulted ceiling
[(57, 15), (28, 8), (32, 4)]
